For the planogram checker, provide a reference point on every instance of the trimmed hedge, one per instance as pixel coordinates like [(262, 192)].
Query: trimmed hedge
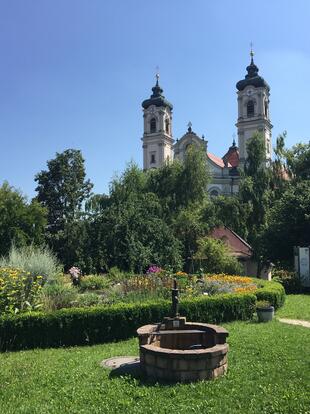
[(273, 292), (104, 324), (78, 326)]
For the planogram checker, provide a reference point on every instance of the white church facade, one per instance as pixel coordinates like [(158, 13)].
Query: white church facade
[(159, 145)]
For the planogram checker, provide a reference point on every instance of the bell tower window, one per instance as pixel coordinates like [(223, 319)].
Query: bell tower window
[(250, 108), (167, 126), (153, 159), (153, 125)]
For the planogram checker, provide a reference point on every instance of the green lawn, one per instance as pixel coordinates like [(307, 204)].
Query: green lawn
[(269, 372), (296, 307)]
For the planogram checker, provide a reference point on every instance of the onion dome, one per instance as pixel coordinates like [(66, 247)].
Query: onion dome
[(252, 78), (157, 98)]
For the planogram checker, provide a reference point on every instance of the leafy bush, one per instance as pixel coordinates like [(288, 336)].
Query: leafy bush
[(18, 290), (116, 275), (109, 323), (88, 299), (263, 304), (38, 261), (94, 282), (57, 296), (289, 280), (214, 256), (272, 292)]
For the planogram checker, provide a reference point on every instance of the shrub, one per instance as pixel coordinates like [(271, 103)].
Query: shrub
[(214, 256), (94, 282), (272, 292), (289, 280), (57, 296), (88, 299), (109, 323), (119, 321), (38, 261), (18, 290), (116, 275)]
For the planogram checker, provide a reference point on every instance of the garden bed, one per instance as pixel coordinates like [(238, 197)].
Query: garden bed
[(84, 326)]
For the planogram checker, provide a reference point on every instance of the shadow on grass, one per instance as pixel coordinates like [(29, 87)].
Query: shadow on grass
[(132, 370)]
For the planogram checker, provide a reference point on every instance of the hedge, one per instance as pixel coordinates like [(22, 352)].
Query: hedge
[(78, 326), (273, 292)]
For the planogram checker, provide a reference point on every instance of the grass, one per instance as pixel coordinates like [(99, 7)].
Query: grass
[(296, 307), (268, 373)]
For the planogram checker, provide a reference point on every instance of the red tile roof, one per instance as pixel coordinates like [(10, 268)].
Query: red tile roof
[(233, 158), (217, 160), (238, 246)]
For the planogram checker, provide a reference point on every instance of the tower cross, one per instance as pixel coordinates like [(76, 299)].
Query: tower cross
[(251, 52), (157, 73)]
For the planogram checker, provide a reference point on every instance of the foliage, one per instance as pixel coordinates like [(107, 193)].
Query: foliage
[(33, 259), (101, 324), (94, 282), (289, 280), (132, 228), (298, 161), (214, 257), (217, 284), (189, 225), (263, 304), (21, 223), (232, 213), (18, 290), (88, 299), (57, 295), (289, 223), (118, 321), (116, 275), (63, 190), (254, 189), (272, 292), (195, 177)]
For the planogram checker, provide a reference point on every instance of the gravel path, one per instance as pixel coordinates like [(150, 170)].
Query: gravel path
[(306, 324)]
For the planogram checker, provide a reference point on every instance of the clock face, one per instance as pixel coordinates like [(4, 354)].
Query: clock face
[(249, 92)]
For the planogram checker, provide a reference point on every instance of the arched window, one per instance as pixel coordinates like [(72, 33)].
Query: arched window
[(250, 108), (153, 125), (153, 159), (167, 126), (214, 193), (266, 109)]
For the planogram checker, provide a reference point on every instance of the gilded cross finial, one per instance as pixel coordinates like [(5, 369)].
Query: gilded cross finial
[(157, 74), (251, 51), (234, 139)]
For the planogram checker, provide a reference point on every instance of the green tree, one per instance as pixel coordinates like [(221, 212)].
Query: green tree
[(232, 213), (131, 232), (255, 191), (289, 223), (21, 223), (214, 256), (298, 161), (63, 190)]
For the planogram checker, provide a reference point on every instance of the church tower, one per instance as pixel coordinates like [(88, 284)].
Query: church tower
[(253, 110), (157, 137)]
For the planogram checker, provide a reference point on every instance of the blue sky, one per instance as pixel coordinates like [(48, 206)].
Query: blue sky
[(73, 74)]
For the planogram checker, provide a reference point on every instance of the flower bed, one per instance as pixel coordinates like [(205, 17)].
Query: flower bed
[(107, 323)]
